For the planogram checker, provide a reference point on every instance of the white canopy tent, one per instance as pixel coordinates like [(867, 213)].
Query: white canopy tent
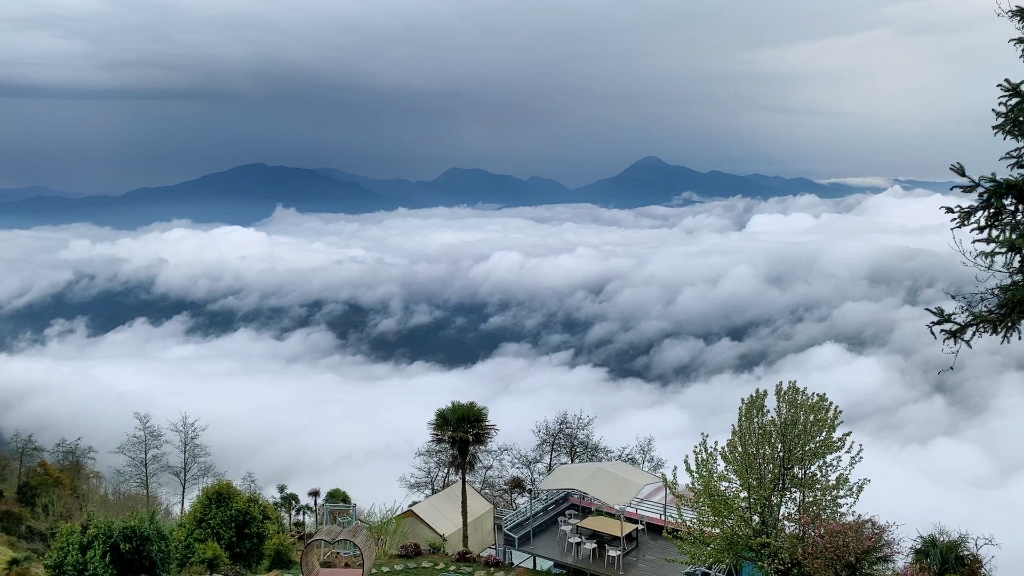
[(614, 483)]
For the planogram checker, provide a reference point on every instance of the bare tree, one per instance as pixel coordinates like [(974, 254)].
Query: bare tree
[(491, 473), (644, 455), (144, 457), (432, 471), (249, 484), (190, 463), (528, 464), (548, 435), (25, 450), (569, 438), (76, 461)]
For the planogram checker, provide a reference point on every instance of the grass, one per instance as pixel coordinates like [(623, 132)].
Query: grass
[(9, 547)]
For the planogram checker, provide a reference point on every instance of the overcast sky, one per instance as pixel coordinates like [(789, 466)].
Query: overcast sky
[(107, 95)]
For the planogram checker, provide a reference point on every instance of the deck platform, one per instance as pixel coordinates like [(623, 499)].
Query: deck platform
[(648, 558)]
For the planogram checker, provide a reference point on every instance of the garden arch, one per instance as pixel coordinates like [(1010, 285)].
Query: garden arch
[(356, 533)]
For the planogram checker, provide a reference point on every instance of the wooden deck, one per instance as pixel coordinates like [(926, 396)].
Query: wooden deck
[(649, 558)]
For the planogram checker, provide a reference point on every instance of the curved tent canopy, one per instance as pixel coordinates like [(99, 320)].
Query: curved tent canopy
[(614, 483)]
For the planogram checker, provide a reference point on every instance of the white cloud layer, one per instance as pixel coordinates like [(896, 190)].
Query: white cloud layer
[(705, 302)]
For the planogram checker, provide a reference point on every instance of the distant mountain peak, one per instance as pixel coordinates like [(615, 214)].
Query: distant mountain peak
[(650, 161)]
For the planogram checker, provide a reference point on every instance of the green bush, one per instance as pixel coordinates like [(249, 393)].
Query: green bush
[(241, 524), (136, 545), (210, 556), (279, 553), (437, 547), (13, 521), (19, 564)]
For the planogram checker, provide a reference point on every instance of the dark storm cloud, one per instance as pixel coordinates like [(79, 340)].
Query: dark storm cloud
[(111, 95)]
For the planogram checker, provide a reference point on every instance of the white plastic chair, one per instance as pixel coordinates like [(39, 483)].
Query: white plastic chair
[(615, 553), (565, 529), (574, 540), (590, 545), (642, 526)]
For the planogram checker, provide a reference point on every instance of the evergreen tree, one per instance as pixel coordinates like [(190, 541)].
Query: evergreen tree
[(995, 220)]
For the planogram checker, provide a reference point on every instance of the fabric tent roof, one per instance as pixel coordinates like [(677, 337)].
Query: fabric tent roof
[(443, 511), (614, 483)]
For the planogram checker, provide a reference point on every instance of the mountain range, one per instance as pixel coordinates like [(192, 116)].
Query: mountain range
[(246, 194)]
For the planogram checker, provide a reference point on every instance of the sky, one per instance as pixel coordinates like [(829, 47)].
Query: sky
[(109, 95), (656, 320)]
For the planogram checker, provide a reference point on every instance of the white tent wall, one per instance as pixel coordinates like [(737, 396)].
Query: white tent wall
[(481, 534), (418, 531), (442, 514)]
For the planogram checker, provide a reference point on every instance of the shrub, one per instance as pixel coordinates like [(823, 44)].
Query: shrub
[(464, 555), (436, 546), (232, 570), (386, 527), (132, 545), (210, 556), (862, 545), (19, 564), (410, 550), (13, 521), (491, 561), (279, 553), (241, 524)]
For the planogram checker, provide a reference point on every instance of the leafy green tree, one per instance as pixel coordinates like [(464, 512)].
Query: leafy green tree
[(995, 219), (464, 428), (945, 552), (783, 470), (337, 496), (138, 545), (240, 523)]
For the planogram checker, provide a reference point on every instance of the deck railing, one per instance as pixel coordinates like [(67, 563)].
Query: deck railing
[(513, 521)]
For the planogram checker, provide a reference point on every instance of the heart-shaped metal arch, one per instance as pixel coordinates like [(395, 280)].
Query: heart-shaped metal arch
[(357, 534)]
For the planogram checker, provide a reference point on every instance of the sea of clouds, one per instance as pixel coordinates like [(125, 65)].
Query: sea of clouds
[(351, 330)]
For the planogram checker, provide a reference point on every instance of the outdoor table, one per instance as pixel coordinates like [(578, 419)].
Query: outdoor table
[(607, 525)]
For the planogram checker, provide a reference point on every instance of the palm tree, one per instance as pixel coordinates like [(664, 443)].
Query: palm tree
[(943, 553), (304, 509), (287, 501), (462, 428), (314, 495)]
